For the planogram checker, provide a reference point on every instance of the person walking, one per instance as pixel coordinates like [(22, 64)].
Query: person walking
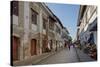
[(69, 46)]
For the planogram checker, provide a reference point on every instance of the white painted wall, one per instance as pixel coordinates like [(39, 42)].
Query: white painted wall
[(34, 27), (15, 19), (93, 17), (44, 31), (85, 28), (88, 12)]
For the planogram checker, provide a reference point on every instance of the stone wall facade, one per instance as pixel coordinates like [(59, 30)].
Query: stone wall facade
[(35, 36)]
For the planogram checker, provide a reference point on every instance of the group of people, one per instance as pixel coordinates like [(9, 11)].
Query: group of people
[(70, 45)]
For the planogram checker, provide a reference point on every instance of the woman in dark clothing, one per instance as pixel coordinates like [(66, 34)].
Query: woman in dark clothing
[(69, 46)]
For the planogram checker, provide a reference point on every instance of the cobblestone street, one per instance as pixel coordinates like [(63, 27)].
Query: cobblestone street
[(66, 56)]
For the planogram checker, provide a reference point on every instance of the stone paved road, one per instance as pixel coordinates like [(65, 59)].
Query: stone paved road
[(84, 57), (64, 56)]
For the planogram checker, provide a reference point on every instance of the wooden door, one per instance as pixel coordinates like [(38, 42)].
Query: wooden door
[(44, 46), (15, 47), (33, 47)]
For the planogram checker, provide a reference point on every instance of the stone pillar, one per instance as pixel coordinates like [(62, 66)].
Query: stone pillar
[(47, 33), (26, 30), (21, 25), (40, 30)]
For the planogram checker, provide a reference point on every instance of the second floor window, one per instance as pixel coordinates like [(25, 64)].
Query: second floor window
[(58, 30), (44, 23), (14, 8), (51, 24), (34, 16)]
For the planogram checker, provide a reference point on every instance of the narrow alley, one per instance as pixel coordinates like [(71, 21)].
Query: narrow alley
[(66, 56), (46, 34)]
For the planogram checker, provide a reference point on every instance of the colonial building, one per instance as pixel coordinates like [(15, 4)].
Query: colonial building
[(65, 36), (58, 33), (87, 24), (35, 30)]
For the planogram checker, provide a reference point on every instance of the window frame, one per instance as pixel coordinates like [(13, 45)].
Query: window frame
[(15, 8), (34, 16), (44, 23)]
